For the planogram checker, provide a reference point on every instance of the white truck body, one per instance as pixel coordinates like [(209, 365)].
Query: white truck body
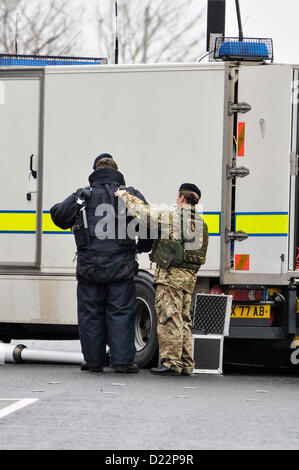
[(164, 125)]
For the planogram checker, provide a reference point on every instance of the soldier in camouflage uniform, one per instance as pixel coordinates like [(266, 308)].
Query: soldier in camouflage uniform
[(177, 259)]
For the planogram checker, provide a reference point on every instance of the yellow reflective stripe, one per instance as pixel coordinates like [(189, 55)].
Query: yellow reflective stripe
[(213, 222), (17, 222), (49, 226), (25, 222), (263, 223)]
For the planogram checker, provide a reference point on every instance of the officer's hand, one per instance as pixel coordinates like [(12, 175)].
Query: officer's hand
[(119, 193)]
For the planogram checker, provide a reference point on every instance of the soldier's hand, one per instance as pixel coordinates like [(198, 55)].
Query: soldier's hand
[(119, 193)]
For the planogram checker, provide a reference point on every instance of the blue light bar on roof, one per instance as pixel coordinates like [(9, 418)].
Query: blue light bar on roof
[(249, 49), (244, 49), (11, 60)]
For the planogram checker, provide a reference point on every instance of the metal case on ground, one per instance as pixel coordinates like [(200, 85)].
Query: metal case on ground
[(210, 324), (207, 351)]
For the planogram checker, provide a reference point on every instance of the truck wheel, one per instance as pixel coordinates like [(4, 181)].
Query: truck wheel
[(6, 333), (145, 322), (5, 339)]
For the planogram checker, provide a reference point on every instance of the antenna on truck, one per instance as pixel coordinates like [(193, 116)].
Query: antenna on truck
[(16, 34), (116, 36), (69, 43), (236, 49), (241, 35)]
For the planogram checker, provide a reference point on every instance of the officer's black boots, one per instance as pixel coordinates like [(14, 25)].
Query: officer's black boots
[(96, 369), (86, 366), (127, 369), (122, 369)]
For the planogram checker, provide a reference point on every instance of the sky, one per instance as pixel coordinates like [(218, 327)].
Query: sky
[(275, 19)]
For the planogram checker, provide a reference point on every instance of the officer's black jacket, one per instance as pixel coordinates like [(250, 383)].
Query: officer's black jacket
[(100, 260)]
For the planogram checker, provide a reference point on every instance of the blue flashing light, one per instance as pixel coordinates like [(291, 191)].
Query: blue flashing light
[(38, 63), (244, 49), (247, 49), (43, 61)]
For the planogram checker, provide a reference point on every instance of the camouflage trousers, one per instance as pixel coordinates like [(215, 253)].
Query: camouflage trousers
[(173, 329)]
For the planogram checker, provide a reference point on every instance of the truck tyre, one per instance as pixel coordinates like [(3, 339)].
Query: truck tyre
[(145, 321), (5, 339), (6, 333)]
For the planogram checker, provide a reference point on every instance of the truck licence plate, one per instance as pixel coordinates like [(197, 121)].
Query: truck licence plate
[(250, 311)]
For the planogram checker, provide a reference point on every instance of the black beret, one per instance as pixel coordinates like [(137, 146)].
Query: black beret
[(190, 187), (103, 155)]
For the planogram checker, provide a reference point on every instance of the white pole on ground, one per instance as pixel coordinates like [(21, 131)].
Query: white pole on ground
[(20, 353)]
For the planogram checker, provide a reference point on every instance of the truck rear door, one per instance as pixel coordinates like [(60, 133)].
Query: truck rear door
[(260, 201), (20, 168), (294, 186)]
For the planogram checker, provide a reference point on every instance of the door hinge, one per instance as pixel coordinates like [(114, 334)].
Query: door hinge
[(238, 108), (235, 236), (240, 172), (294, 164)]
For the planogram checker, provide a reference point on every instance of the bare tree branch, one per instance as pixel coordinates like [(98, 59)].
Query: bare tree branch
[(45, 26), (152, 30)]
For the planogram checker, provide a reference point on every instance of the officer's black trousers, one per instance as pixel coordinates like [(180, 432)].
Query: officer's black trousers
[(107, 311)]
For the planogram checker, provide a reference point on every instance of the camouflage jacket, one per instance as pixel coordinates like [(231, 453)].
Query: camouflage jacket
[(177, 255)]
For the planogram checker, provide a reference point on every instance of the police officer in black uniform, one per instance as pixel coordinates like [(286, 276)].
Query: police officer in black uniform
[(106, 266)]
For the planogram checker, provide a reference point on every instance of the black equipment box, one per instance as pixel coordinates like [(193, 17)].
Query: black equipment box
[(210, 324), (207, 353)]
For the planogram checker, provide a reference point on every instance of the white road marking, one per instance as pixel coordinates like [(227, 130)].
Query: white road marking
[(20, 403)]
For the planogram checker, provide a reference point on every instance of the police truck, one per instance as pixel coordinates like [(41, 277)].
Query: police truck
[(229, 125)]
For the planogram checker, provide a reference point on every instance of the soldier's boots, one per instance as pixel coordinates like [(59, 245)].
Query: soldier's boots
[(163, 370), (185, 373)]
